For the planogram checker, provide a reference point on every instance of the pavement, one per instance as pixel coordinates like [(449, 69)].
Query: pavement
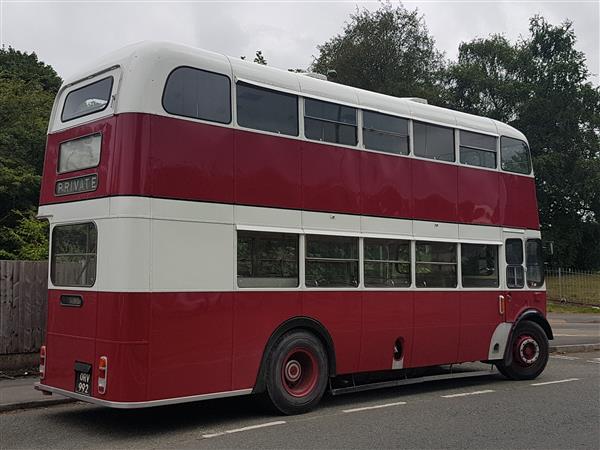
[(572, 332)]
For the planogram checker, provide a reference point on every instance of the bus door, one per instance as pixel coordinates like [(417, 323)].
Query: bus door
[(514, 293), (481, 288)]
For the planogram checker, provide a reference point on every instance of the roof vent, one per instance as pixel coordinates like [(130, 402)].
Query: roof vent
[(318, 76), (416, 99)]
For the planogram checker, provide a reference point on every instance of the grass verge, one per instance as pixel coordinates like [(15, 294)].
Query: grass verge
[(566, 308)]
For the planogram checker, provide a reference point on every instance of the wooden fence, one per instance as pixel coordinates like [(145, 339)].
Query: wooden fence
[(23, 294)]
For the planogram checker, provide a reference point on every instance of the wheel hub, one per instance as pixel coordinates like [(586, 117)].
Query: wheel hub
[(528, 350), (299, 372), (293, 371)]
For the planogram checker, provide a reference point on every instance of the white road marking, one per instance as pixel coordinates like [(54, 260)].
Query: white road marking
[(554, 382), (365, 408), (238, 430), (575, 335), (464, 394), (569, 358), (592, 361)]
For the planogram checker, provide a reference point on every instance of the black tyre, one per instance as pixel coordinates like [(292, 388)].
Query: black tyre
[(528, 353), (296, 373)]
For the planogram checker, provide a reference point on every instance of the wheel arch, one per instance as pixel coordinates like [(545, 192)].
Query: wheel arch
[(535, 316), (296, 323), (532, 315)]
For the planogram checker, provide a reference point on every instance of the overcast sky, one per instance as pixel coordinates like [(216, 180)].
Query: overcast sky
[(68, 34)]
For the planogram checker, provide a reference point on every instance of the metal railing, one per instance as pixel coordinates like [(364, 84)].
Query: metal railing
[(573, 286)]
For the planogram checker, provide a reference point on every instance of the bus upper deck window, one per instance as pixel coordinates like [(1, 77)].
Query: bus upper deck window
[(198, 94), (87, 100), (515, 156)]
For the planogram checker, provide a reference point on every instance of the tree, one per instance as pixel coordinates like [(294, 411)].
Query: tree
[(27, 90), (259, 58), (388, 50), (539, 85)]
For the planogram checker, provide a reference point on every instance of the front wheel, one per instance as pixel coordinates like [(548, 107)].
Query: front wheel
[(297, 373), (529, 352)]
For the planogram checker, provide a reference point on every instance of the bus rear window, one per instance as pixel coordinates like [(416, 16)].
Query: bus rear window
[(73, 260), (87, 100)]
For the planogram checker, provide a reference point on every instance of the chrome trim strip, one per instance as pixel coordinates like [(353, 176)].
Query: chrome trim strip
[(132, 405)]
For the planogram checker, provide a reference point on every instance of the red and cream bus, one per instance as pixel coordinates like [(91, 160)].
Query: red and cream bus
[(222, 228)]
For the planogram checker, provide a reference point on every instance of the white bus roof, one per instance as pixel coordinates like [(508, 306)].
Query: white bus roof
[(144, 68)]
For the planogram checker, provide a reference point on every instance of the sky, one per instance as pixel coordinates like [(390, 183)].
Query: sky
[(69, 34)]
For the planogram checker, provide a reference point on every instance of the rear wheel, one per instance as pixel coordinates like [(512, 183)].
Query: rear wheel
[(528, 352), (297, 372)]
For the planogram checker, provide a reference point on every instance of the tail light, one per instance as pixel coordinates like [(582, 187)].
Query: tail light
[(102, 374), (42, 362)]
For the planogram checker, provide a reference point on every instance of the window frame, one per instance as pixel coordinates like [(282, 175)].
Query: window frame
[(529, 161), (261, 232), (356, 261), (515, 266), (497, 266), (274, 91), (229, 103), (435, 125), (540, 264), (96, 111), (385, 133), (53, 255), (437, 263), (357, 135), (384, 261), (479, 149)]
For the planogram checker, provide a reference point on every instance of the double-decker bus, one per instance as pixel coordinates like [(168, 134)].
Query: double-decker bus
[(222, 228)]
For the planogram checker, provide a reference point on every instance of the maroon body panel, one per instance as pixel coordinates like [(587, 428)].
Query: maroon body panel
[(177, 344), (155, 156)]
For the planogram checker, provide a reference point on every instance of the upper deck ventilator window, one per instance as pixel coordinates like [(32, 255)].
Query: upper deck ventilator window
[(385, 133), (329, 122), (477, 149)]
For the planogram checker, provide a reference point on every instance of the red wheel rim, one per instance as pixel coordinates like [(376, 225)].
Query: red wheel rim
[(299, 372), (526, 350)]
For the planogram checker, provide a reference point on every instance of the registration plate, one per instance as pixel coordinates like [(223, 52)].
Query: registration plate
[(83, 378)]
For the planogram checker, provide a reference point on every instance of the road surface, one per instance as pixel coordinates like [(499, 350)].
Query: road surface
[(561, 409)]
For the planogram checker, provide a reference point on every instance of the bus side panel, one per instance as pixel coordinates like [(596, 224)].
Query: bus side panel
[(478, 196), (190, 343), (330, 178), (256, 316), (517, 301), (479, 317), (130, 168), (267, 170), (191, 161), (518, 201), (386, 183), (387, 316), (124, 317), (436, 330), (341, 314), (127, 375), (435, 191)]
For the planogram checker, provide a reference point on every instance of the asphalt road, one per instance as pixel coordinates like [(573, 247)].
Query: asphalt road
[(490, 412), (570, 329)]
